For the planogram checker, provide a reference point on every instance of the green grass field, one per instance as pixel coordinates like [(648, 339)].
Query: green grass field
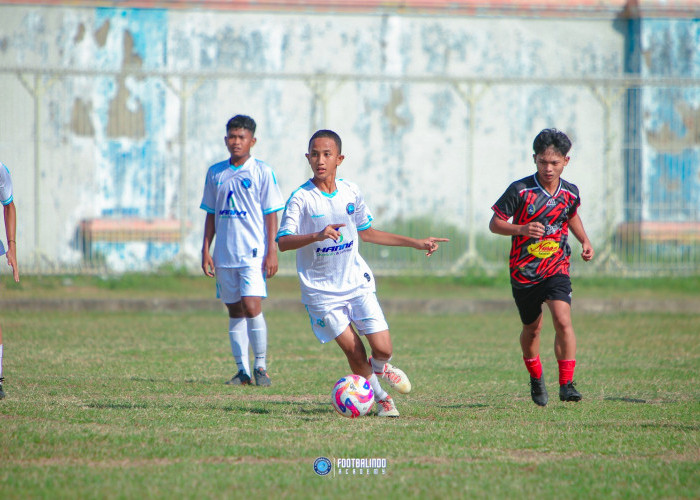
[(133, 405)]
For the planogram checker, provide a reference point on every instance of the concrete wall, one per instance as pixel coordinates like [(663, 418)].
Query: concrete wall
[(112, 85)]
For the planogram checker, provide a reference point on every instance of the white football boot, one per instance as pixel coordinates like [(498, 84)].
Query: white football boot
[(397, 378), (387, 408)]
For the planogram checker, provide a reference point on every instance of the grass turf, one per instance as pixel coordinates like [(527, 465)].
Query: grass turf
[(127, 405)]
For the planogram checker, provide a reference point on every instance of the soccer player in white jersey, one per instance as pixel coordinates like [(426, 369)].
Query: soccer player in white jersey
[(322, 221), (10, 216), (241, 198)]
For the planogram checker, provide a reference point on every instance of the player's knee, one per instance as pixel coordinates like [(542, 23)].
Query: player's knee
[(531, 331), (235, 310), (383, 354), (251, 308)]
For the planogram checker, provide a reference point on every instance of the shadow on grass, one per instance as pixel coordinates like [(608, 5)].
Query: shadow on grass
[(626, 400), (465, 405)]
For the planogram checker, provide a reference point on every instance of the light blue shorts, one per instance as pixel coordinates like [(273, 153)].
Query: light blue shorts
[(330, 320), (232, 283)]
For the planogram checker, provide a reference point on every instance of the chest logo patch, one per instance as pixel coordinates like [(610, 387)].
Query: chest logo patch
[(530, 209), (350, 209), (543, 249), (246, 183)]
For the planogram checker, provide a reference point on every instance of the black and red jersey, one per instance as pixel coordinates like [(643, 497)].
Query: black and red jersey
[(532, 261)]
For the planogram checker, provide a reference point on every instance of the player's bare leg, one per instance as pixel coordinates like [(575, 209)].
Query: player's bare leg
[(530, 344), (564, 348), (354, 349), (530, 338), (382, 350)]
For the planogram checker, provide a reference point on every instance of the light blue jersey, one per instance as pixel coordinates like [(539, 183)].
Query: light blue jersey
[(239, 198), (329, 271), (5, 185)]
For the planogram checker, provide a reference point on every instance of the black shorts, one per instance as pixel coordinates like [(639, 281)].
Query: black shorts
[(529, 300)]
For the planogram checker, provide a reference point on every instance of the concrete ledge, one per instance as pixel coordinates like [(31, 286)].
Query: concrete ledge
[(390, 306)]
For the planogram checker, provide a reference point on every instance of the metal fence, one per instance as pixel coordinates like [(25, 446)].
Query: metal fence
[(72, 157)]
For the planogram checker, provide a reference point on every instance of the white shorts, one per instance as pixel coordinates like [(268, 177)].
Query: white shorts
[(232, 283), (330, 320)]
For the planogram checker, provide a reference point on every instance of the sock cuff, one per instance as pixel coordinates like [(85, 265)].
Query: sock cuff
[(234, 322), (378, 364)]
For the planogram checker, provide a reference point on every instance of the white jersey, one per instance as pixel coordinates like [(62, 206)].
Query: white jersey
[(239, 198), (5, 185), (329, 271)]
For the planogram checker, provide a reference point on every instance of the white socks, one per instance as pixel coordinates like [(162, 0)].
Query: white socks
[(257, 333), (378, 365), (240, 332), (379, 393), (238, 335)]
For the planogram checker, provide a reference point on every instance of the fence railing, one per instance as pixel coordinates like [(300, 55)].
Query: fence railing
[(109, 165)]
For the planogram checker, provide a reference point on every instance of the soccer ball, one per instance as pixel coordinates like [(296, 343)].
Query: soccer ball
[(352, 396)]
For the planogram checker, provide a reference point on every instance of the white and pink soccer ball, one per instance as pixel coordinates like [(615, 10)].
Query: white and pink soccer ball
[(352, 396)]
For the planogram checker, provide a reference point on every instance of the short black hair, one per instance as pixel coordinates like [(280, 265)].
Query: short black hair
[(551, 137), (331, 135), (241, 121)]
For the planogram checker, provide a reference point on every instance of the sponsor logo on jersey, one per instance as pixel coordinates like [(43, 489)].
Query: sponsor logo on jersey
[(551, 202), (543, 249), (551, 229), (232, 212), (246, 183), (350, 209), (334, 249)]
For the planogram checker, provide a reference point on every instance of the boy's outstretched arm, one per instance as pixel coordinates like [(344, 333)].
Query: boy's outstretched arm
[(294, 241), (377, 237)]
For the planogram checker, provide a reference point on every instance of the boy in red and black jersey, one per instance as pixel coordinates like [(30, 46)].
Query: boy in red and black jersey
[(543, 208)]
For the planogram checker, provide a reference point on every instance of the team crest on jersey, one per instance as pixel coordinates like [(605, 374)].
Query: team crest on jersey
[(246, 183), (543, 249), (530, 209), (350, 209)]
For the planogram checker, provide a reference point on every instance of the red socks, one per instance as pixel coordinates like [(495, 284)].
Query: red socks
[(534, 366), (566, 370)]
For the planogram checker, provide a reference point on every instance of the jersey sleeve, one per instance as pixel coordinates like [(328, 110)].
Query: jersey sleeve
[(508, 203), (271, 198), (575, 206), (290, 218), (362, 215), (5, 185), (209, 197)]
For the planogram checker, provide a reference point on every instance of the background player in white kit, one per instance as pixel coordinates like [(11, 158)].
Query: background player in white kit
[(10, 217), (241, 198), (322, 221)]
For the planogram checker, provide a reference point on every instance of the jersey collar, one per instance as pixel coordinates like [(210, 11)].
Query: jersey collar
[(556, 193), (237, 168)]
